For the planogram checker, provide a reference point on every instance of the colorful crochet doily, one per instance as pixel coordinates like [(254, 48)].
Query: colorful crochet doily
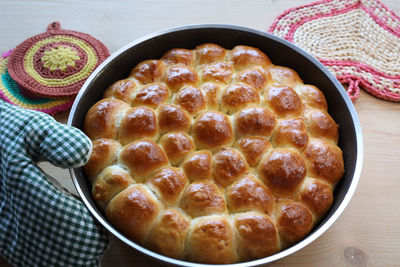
[(56, 63), (12, 93), (357, 40)]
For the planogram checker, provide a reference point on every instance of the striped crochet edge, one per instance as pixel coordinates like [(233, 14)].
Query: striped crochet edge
[(12, 93)]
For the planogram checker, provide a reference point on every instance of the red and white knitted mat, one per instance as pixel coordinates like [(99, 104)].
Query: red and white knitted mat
[(357, 40)]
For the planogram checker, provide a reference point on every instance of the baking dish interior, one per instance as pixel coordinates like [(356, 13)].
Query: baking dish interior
[(278, 50)]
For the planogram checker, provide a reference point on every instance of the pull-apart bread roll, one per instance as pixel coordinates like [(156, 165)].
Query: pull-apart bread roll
[(213, 155)]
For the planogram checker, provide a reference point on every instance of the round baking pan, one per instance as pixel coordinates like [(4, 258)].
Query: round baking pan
[(281, 52)]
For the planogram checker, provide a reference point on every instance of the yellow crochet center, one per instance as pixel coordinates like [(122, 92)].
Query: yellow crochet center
[(59, 58), (3, 68), (84, 73)]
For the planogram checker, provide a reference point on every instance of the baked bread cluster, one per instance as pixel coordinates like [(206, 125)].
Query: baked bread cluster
[(213, 155)]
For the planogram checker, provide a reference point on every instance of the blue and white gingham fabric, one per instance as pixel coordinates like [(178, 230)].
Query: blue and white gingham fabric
[(40, 225)]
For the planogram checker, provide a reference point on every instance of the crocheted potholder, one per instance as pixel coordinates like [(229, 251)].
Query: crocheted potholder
[(56, 63), (12, 93), (357, 40)]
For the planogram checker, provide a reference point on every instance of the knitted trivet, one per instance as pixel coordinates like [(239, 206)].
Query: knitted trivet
[(56, 63), (12, 93), (357, 40)]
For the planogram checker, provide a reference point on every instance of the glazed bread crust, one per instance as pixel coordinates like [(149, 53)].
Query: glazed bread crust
[(213, 155)]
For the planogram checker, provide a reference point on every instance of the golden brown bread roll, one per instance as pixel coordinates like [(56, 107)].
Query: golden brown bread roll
[(282, 170), (317, 195), (173, 118), (249, 194), (257, 77), (294, 222), (168, 184), (212, 240), (203, 197), (103, 155), (209, 53), (212, 129), (312, 96), (149, 71), (103, 117), (321, 125), (325, 160), (290, 133), (179, 55), (179, 75), (168, 236), (253, 148), (142, 158), (198, 165), (220, 72), (123, 90), (237, 96), (110, 182), (245, 57), (283, 101), (177, 145), (228, 166), (151, 95), (254, 121), (134, 211), (284, 76), (257, 235), (213, 155), (211, 93), (138, 122), (190, 99)]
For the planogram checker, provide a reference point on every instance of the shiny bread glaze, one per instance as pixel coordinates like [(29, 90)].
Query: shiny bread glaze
[(213, 155)]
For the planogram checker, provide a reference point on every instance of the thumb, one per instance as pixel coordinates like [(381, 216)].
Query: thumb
[(59, 144)]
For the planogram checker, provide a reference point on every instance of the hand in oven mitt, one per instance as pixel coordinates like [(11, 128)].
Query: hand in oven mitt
[(40, 225)]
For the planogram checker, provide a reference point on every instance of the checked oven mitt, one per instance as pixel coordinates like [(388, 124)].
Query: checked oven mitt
[(40, 225)]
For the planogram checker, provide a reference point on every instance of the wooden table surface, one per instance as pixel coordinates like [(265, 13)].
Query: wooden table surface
[(366, 234)]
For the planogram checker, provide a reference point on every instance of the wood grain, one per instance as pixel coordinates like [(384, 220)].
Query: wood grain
[(368, 232)]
